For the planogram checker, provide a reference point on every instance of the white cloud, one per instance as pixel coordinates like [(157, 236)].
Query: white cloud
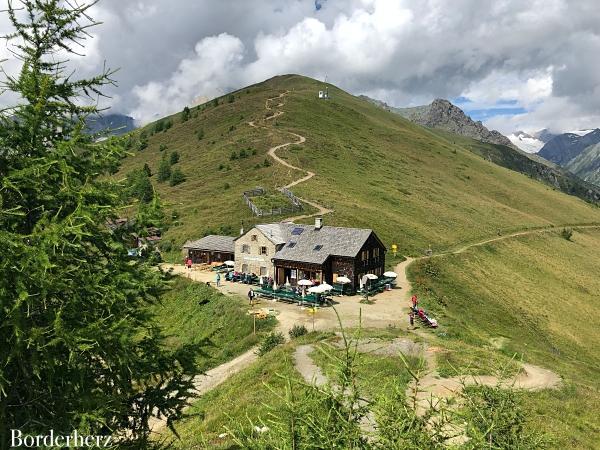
[(216, 59), (538, 53)]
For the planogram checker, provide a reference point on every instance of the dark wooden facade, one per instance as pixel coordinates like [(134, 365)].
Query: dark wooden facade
[(370, 259), (208, 256)]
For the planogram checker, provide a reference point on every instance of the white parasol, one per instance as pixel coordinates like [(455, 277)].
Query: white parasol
[(390, 274), (325, 287), (343, 280), (287, 282), (229, 263), (371, 276), (305, 282)]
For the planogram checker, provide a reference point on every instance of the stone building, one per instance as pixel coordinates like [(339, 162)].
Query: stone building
[(289, 252)]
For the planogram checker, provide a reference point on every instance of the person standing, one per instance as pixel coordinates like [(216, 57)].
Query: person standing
[(415, 302), (251, 296), (218, 279), (411, 319), (188, 263)]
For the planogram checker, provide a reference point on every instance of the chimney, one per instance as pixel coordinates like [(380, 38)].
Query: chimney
[(318, 223), (242, 229)]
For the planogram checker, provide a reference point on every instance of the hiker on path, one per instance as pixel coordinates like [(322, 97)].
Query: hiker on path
[(411, 319), (188, 263), (251, 296), (415, 301), (218, 279)]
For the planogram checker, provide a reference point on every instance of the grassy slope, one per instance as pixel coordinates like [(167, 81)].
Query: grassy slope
[(540, 294), (414, 188), (375, 168), (220, 325)]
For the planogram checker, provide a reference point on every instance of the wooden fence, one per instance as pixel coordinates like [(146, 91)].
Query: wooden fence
[(295, 206)]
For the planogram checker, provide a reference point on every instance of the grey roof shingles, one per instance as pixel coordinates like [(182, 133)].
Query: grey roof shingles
[(212, 242), (335, 241)]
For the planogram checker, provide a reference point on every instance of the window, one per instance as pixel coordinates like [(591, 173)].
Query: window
[(317, 248), (245, 248), (293, 274), (263, 251), (253, 237), (245, 268), (297, 231), (263, 271), (291, 245), (364, 256), (376, 252)]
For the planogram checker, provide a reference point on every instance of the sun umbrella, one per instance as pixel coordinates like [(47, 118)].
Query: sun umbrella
[(287, 282), (316, 289), (305, 282), (229, 263), (390, 274), (371, 276), (325, 287), (274, 285), (343, 280)]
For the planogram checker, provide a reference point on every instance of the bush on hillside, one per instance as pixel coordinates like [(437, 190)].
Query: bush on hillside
[(270, 341), (567, 233), (174, 158), (185, 114), (297, 330), (162, 147), (164, 170), (177, 177)]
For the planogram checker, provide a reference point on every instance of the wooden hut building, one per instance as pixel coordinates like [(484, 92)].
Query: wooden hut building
[(210, 249)]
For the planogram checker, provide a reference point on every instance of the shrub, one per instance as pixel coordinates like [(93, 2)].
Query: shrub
[(267, 163), (231, 128), (174, 158), (185, 114), (177, 177), (230, 98), (159, 126), (567, 233), (147, 170), (271, 341), (221, 167), (143, 144), (243, 154), (215, 102), (162, 147), (297, 331), (226, 186), (166, 246), (164, 170), (233, 156), (168, 124)]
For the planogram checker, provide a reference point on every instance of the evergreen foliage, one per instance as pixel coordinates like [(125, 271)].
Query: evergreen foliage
[(164, 169), (79, 349), (177, 177), (174, 158), (185, 114)]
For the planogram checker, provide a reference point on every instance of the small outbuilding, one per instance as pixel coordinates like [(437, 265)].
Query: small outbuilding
[(210, 249)]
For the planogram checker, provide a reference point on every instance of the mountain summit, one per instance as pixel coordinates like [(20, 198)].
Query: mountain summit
[(442, 114)]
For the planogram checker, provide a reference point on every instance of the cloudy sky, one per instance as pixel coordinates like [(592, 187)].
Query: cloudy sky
[(514, 64)]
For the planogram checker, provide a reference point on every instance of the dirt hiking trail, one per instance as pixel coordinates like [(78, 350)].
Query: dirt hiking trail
[(272, 152)]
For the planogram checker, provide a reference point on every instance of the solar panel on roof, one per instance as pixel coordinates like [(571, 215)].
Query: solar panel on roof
[(297, 231), (291, 245), (318, 247)]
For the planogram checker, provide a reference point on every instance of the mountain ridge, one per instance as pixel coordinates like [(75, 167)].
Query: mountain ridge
[(442, 114)]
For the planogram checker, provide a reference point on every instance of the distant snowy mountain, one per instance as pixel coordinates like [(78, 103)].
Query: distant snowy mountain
[(526, 142)]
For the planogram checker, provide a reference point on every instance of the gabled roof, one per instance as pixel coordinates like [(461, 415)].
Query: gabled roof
[(316, 245), (212, 242), (277, 233)]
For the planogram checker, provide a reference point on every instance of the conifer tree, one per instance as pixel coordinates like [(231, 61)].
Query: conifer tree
[(79, 349)]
